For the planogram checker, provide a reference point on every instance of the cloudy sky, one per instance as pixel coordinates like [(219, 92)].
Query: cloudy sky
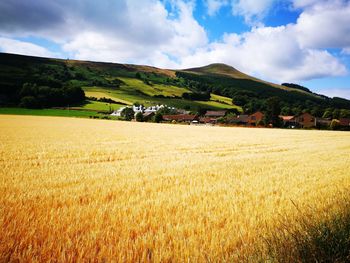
[(300, 41)]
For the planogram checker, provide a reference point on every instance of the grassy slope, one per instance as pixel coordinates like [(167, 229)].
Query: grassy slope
[(135, 90), (225, 70), (91, 74), (48, 112)]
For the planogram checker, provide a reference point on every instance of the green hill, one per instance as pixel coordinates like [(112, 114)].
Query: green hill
[(122, 84), (228, 71), (35, 82)]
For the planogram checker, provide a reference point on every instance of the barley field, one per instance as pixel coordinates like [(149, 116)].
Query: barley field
[(77, 190)]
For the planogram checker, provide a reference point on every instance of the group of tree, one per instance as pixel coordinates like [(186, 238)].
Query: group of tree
[(253, 96), (33, 96), (203, 96)]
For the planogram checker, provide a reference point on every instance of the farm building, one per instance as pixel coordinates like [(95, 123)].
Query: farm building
[(344, 122), (239, 120), (288, 121), (180, 118), (255, 118), (323, 122), (304, 120), (207, 120), (117, 113), (215, 114)]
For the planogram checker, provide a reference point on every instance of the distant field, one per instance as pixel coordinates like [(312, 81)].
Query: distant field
[(100, 106), (86, 190), (48, 112), (135, 90)]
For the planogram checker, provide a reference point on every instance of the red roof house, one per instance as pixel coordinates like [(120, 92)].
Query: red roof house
[(255, 118), (180, 117)]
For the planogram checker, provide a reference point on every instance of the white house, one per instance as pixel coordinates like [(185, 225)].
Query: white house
[(141, 109), (117, 113)]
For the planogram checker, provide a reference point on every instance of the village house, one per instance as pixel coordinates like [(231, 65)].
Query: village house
[(322, 122), (305, 120), (147, 116), (137, 109), (118, 113), (180, 118), (215, 114), (239, 120), (255, 118), (288, 121), (344, 122), (207, 120), (142, 109)]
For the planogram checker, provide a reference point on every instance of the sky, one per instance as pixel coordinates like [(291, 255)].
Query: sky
[(297, 41)]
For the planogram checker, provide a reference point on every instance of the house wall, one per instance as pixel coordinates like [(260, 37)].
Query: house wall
[(306, 120), (256, 117)]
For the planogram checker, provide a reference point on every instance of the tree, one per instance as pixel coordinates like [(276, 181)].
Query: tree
[(240, 100), (316, 111), (328, 113), (336, 114), (286, 111), (344, 113), (158, 117), (201, 111), (127, 113), (29, 102), (272, 112), (139, 117)]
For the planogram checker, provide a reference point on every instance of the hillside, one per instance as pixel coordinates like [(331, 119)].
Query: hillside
[(228, 71), (108, 86), (124, 84)]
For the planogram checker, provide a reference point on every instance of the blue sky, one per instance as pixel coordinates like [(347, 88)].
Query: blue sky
[(300, 41)]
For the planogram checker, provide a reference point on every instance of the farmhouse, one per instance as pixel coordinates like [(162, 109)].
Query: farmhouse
[(207, 120), (148, 115), (288, 121), (322, 122), (215, 114), (255, 118), (304, 120), (180, 118), (155, 108), (344, 122), (117, 113), (239, 120)]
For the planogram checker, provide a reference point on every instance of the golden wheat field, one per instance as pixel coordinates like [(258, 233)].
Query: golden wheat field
[(94, 190)]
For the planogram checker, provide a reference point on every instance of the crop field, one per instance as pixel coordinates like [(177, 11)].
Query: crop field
[(95, 190)]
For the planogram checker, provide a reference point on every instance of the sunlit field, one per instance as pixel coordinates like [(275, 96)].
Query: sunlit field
[(94, 190)]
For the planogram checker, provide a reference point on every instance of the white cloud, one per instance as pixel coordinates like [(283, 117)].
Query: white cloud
[(269, 53), (215, 5), (143, 42), (325, 25), (306, 3), (346, 51), (252, 11), (24, 48), (145, 32)]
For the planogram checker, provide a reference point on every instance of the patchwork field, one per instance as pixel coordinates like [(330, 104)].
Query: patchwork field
[(95, 190)]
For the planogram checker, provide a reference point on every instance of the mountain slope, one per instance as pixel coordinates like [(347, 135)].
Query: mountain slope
[(109, 86), (122, 83), (228, 71)]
